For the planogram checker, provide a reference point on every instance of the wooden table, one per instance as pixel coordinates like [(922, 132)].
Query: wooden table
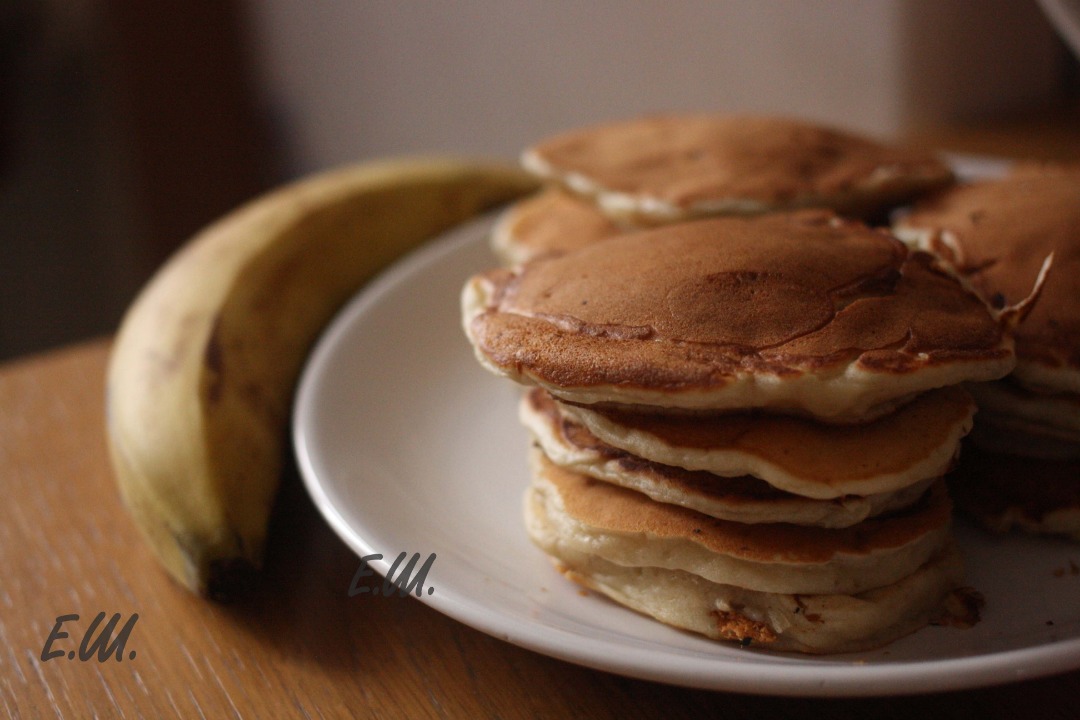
[(300, 646)]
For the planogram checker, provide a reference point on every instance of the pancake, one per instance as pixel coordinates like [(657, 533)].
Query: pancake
[(550, 222), (997, 233), (999, 434), (798, 455), (629, 529), (666, 168), (1022, 470), (1004, 492), (812, 624), (742, 498), (1050, 415), (803, 313)]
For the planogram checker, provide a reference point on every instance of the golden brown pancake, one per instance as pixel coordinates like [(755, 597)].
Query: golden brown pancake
[(801, 312), (627, 528), (1005, 491), (741, 498), (548, 223), (795, 454), (998, 233), (814, 624), (679, 167)]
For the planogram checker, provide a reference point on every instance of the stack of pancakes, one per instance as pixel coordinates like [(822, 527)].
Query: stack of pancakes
[(1023, 469), (740, 423)]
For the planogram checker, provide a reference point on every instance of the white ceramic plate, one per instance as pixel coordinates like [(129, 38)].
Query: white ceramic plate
[(407, 445)]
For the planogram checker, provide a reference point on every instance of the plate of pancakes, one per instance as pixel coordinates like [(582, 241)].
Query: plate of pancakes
[(738, 403)]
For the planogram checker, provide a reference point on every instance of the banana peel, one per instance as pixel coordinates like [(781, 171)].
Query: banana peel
[(201, 376)]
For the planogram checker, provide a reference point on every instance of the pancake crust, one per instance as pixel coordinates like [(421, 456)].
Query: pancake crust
[(677, 167), (998, 232), (628, 528), (1003, 492), (798, 455), (548, 223), (802, 312), (743, 498)]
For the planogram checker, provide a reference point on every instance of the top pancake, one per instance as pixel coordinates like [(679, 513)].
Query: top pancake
[(799, 312), (998, 232), (679, 167)]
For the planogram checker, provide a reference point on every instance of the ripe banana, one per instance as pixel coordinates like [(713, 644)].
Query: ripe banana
[(202, 372)]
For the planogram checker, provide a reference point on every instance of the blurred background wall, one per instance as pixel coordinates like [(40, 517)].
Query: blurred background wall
[(125, 126), (371, 77)]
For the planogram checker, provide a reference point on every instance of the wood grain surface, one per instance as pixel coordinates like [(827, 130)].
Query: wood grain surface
[(299, 646)]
